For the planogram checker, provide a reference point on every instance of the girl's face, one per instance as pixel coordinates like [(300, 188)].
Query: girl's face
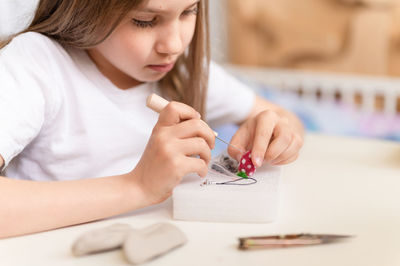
[(147, 43)]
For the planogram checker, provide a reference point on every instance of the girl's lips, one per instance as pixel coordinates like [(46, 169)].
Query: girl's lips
[(162, 68)]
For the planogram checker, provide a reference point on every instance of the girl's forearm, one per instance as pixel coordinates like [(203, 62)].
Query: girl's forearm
[(28, 206)]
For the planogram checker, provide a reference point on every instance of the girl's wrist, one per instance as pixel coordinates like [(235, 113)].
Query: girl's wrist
[(134, 192)]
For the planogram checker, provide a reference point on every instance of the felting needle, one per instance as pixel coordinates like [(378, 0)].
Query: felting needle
[(157, 103), (233, 146)]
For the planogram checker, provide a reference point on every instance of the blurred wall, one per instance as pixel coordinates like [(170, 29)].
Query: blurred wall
[(219, 30)]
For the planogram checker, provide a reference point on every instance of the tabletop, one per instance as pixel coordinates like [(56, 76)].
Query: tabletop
[(339, 185)]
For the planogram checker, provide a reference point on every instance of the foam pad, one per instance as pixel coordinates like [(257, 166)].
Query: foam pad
[(195, 201)]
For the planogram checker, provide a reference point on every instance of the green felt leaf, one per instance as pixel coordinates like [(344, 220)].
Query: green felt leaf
[(242, 174)]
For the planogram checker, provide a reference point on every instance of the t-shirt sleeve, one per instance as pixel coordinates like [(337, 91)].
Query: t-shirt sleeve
[(23, 107), (228, 99)]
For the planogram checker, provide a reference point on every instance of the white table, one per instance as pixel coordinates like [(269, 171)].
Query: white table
[(339, 185)]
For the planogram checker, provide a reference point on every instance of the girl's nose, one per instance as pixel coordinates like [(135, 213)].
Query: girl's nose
[(170, 40)]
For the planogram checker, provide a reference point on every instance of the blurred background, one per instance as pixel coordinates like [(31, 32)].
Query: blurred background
[(336, 63), (347, 36)]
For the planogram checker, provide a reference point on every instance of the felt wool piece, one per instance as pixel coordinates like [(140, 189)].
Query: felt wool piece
[(196, 200), (102, 239), (151, 242), (246, 167), (224, 164)]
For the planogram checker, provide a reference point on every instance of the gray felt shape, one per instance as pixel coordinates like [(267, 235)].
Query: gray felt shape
[(102, 239), (152, 241)]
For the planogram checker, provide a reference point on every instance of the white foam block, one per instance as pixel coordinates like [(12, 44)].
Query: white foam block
[(228, 203)]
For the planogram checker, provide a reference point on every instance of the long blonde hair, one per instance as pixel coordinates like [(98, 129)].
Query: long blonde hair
[(86, 23)]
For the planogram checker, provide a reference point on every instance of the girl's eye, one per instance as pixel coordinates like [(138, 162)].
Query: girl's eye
[(193, 11), (151, 23), (143, 23)]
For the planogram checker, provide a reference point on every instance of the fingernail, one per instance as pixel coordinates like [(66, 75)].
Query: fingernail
[(198, 115), (258, 161)]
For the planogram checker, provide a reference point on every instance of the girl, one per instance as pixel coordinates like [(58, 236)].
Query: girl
[(72, 110)]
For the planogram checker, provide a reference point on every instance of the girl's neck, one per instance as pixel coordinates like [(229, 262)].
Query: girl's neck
[(116, 76)]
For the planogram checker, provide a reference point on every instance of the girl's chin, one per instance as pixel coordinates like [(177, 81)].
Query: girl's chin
[(154, 77)]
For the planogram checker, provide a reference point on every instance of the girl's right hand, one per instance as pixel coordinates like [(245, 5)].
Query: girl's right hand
[(180, 144)]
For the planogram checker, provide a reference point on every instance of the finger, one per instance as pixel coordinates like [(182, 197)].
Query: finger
[(194, 128), (176, 112), (241, 140), (194, 165), (287, 161), (291, 151), (266, 122), (195, 146), (280, 143)]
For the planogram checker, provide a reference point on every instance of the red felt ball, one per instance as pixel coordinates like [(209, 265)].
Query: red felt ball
[(246, 165)]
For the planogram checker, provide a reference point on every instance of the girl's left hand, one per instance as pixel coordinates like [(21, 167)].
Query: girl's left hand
[(270, 137)]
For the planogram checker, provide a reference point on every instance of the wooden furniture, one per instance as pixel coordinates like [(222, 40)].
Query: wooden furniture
[(353, 36), (368, 94)]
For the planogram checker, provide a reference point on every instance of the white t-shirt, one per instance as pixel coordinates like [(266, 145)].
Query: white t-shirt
[(61, 119)]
